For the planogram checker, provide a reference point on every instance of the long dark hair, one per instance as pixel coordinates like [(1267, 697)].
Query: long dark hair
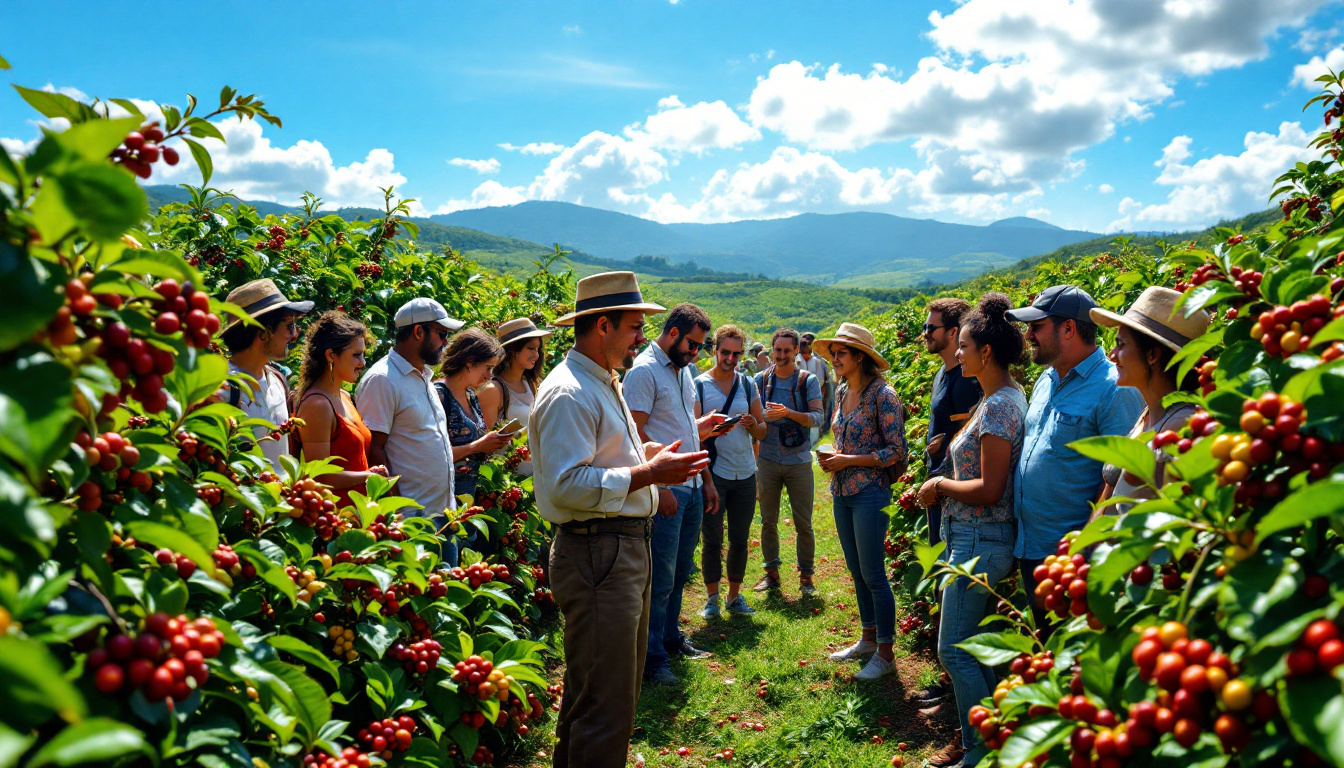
[(468, 347), (989, 324), (531, 376), (332, 331)]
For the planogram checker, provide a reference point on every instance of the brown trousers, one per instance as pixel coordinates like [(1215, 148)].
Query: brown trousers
[(601, 582)]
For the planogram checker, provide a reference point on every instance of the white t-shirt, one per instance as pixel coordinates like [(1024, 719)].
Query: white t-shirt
[(269, 403)]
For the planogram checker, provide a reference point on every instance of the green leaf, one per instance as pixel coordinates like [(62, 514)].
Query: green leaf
[(992, 649), (33, 684), (1127, 453), (35, 399), (196, 377), (28, 305), (160, 535), (98, 740), (1034, 738), (377, 636), (1320, 499), (104, 199), (12, 746), (305, 653), (203, 161), (96, 139), (268, 570), (56, 105), (1314, 708), (928, 555)]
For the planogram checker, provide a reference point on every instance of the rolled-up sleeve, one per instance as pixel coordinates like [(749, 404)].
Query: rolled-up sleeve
[(891, 421), (564, 435)]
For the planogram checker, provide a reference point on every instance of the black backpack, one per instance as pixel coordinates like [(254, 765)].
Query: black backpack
[(709, 443)]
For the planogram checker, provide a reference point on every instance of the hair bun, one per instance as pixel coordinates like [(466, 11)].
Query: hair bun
[(995, 306)]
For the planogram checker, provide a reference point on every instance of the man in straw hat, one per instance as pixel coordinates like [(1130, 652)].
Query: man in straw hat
[(253, 350), (397, 401), (597, 481), (1075, 397)]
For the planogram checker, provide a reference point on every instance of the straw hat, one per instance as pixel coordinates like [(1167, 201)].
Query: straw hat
[(521, 328), (261, 297), (609, 292), (851, 335), (1155, 315)]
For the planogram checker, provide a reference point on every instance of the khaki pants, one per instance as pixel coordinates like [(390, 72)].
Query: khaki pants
[(797, 478), (601, 582)]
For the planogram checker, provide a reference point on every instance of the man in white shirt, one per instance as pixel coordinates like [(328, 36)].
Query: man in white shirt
[(253, 350), (397, 401), (597, 481), (815, 365), (660, 390)]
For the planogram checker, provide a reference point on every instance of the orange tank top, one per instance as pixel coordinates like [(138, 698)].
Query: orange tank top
[(350, 440)]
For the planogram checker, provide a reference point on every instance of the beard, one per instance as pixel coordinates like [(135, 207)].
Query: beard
[(429, 353), (1043, 355), (935, 346), (628, 361)]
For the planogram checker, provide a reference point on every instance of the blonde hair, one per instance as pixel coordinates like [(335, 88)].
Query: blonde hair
[(729, 332)]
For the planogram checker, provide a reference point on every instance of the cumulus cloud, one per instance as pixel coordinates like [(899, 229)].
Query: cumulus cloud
[(1216, 187), (483, 167), (695, 129), (1305, 74), (488, 194), (1105, 189), (535, 148), (601, 170)]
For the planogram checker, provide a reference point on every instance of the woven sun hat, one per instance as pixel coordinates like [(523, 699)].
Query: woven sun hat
[(425, 310), (1155, 315), (521, 328), (851, 335), (609, 292), (260, 297)]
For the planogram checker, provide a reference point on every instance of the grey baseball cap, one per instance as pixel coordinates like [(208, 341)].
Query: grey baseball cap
[(423, 310), (1067, 302)]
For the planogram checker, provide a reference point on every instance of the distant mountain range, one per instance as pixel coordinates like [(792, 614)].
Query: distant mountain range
[(845, 249)]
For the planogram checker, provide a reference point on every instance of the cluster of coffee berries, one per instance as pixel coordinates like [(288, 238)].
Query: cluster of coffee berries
[(383, 737), (521, 713), (1315, 207), (542, 596), (184, 565), (478, 677), (313, 505), (1206, 369), (436, 588), (910, 624), (1319, 650), (482, 755), (212, 495), (895, 548), (167, 659), (1193, 679), (1247, 281), (473, 720), (307, 581), (418, 657), (517, 457), (368, 270), (386, 527), (1061, 582), (1032, 667), (141, 149), (993, 730), (1285, 331), (287, 427), (907, 499), (349, 758), (276, 241), (389, 599), (343, 643), (191, 449), (479, 573), (1098, 742), (183, 308), (109, 451), (1203, 274)]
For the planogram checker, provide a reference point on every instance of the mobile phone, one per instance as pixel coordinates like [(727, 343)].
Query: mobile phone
[(512, 426), (727, 424)]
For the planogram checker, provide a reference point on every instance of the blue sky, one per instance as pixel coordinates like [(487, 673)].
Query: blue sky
[(1140, 114)]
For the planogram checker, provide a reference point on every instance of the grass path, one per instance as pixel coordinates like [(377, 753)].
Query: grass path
[(813, 715)]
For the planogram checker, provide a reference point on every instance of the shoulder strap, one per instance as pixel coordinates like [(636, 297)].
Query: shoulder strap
[(335, 417), (801, 386), (732, 395), (700, 394), (235, 394), (505, 397), (749, 388)]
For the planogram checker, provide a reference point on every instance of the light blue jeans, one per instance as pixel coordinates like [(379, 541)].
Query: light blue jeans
[(862, 527), (965, 605), (673, 553)]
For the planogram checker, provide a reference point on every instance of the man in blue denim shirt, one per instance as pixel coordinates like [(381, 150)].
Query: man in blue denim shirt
[(1076, 397)]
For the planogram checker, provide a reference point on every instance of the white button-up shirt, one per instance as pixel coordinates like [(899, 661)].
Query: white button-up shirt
[(584, 443), (398, 400), (269, 403), (667, 394)]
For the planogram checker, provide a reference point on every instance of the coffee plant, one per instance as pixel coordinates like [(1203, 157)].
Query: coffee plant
[(1202, 627), (169, 598)]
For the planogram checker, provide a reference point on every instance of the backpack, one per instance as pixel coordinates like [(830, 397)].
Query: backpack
[(709, 443), (791, 433), (894, 471)]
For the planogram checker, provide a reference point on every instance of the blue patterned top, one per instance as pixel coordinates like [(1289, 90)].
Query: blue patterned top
[(1002, 414), (857, 433)]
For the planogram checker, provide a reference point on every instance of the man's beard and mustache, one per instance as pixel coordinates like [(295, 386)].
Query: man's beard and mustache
[(934, 345), (428, 352), (680, 357), (1043, 354)]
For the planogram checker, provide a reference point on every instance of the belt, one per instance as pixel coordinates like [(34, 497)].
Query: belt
[(618, 526)]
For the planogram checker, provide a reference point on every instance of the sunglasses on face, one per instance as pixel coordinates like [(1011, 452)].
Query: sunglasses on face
[(930, 327), (727, 353), (694, 346)]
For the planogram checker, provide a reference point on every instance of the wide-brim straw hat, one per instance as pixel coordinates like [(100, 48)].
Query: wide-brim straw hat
[(1155, 315), (851, 335), (609, 292), (519, 329), (261, 297)]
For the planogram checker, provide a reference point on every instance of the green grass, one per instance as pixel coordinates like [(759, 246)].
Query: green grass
[(813, 715)]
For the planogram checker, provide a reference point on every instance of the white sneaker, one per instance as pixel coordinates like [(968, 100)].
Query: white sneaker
[(855, 651), (875, 668)]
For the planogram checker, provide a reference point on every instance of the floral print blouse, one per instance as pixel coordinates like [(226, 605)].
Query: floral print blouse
[(463, 428), (1002, 414), (875, 425)]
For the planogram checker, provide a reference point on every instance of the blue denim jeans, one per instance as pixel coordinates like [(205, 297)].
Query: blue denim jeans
[(965, 605), (673, 550), (862, 527)]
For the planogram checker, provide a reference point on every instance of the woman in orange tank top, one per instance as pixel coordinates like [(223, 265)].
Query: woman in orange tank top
[(333, 355)]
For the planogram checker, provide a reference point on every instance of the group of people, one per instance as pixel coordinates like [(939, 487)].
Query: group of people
[(636, 471)]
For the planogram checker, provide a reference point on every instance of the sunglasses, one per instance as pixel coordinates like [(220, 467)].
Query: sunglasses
[(930, 327), (694, 346)]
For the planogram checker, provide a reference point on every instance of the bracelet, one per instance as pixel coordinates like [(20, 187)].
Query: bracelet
[(936, 484)]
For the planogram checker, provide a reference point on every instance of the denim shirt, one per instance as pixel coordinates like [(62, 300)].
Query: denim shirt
[(1054, 485)]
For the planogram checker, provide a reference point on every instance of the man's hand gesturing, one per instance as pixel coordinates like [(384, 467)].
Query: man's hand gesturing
[(668, 467)]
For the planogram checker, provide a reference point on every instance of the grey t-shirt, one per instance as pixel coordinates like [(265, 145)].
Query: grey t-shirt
[(782, 391), (734, 459)]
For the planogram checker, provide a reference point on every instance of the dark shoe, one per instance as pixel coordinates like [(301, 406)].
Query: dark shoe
[(948, 756), (931, 695), (691, 652), (766, 584), (662, 676), (805, 586)]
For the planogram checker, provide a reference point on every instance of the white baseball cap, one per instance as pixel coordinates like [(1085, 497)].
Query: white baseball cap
[(423, 310)]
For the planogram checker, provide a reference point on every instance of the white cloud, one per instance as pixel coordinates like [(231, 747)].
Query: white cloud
[(1305, 74), (487, 195), (1105, 189), (535, 148), (1039, 213), (601, 170), (483, 167), (696, 129), (572, 29), (1216, 187)]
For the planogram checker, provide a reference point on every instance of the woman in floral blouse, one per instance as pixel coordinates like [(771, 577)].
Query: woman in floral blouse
[(869, 429), (977, 496)]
